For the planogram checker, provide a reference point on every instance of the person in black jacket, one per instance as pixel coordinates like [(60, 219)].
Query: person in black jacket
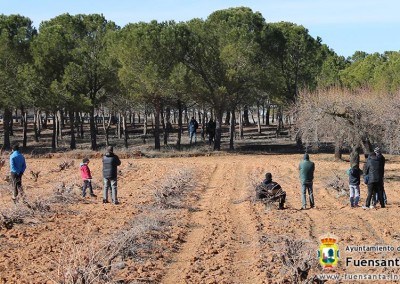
[(271, 191), (382, 159), (110, 164), (373, 170)]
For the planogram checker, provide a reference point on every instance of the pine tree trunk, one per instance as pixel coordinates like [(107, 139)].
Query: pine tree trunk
[(232, 130), (6, 122), (180, 124), (218, 130), (93, 138), (258, 119), (72, 144), (24, 128)]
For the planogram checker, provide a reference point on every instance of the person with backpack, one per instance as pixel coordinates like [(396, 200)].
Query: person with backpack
[(193, 125), (86, 178), (110, 165), (354, 174), (271, 191), (306, 170)]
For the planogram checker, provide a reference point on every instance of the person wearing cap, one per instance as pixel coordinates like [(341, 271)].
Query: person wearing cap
[(86, 177), (110, 165), (272, 191), (306, 171), (382, 160), (17, 169)]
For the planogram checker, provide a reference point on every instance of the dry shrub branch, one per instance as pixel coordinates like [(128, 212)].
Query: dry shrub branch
[(169, 190)]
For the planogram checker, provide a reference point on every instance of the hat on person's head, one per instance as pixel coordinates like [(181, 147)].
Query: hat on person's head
[(268, 176), (110, 149), (306, 156), (15, 147), (377, 150), (85, 160)]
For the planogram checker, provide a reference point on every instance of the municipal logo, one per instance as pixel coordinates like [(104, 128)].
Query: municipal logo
[(328, 252)]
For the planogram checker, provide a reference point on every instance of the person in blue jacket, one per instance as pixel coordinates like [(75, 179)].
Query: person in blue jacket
[(17, 169)]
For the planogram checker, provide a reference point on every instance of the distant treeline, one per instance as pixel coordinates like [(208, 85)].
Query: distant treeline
[(223, 66)]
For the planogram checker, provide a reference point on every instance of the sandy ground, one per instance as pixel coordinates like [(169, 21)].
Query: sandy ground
[(215, 232)]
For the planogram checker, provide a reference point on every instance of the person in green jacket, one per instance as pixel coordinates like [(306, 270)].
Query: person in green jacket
[(306, 169)]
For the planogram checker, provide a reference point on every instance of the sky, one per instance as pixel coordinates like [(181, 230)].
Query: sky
[(345, 26)]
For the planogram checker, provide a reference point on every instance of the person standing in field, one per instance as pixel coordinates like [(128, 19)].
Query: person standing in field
[(86, 177), (354, 184), (306, 170), (211, 125), (382, 159), (17, 169), (110, 172), (373, 170), (193, 125)]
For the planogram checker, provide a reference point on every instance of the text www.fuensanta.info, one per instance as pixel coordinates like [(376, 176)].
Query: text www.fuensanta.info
[(359, 277)]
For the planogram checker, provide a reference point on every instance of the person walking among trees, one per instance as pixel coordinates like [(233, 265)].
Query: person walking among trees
[(193, 125), (211, 131), (17, 169), (306, 170), (110, 166), (373, 170), (354, 184), (271, 191), (86, 177)]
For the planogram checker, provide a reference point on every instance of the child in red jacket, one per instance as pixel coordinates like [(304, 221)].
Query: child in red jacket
[(86, 177)]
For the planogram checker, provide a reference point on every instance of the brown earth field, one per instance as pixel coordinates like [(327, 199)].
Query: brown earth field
[(193, 220)]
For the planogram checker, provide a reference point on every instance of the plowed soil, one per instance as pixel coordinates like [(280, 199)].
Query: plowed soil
[(211, 231)]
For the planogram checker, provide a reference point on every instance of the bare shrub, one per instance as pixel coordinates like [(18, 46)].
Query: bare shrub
[(297, 260), (138, 241), (79, 262), (65, 194), (35, 175), (337, 183), (14, 215), (2, 162), (168, 190), (65, 164), (39, 204), (294, 258), (328, 115)]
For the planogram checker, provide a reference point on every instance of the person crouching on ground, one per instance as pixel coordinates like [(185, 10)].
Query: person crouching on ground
[(354, 184), (271, 191), (110, 164), (86, 177)]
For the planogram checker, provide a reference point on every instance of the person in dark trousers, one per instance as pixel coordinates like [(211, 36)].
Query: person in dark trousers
[(193, 125), (211, 131), (306, 170), (17, 169), (379, 155), (354, 184), (110, 166), (271, 191), (86, 177), (373, 170)]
